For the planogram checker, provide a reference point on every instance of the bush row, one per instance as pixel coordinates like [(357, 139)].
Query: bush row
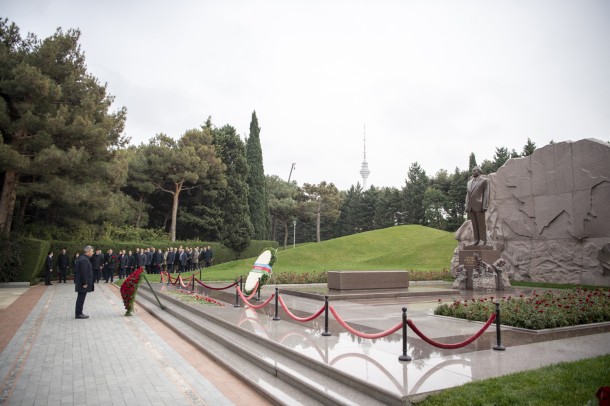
[(30, 263)]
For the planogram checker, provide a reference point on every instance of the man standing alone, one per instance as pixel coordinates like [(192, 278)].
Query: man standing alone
[(48, 269), (63, 262), (83, 280), (477, 201)]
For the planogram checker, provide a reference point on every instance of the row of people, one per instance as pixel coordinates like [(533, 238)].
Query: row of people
[(173, 259)]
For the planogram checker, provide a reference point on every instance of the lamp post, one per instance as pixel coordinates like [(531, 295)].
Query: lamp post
[(294, 233)]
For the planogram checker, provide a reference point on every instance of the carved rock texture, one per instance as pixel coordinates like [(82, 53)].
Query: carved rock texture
[(550, 213)]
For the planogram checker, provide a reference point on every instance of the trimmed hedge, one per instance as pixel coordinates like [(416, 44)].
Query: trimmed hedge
[(35, 252), (32, 263)]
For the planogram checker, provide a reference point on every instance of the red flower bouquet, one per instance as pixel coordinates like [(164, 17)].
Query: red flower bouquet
[(129, 289)]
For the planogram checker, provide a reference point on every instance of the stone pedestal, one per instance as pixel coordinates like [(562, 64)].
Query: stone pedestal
[(466, 258)]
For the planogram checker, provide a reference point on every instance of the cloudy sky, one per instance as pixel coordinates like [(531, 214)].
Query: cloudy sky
[(432, 80)]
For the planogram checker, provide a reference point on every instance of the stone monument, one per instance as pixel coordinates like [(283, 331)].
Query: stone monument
[(549, 215)]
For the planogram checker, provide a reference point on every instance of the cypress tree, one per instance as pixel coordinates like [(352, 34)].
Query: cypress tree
[(257, 197)]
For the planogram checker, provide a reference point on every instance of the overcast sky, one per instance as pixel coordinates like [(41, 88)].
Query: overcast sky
[(432, 81)]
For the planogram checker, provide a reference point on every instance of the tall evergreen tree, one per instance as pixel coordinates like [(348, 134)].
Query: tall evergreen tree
[(472, 161), (257, 197), (236, 228), (529, 148), (57, 132), (416, 184)]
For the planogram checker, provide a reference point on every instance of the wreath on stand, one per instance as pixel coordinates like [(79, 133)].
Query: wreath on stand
[(261, 270)]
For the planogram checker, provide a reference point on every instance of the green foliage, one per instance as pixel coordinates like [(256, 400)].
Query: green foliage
[(528, 148), (34, 253), (567, 383), (58, 134), (174, 166), (257, 198), (92, 232), (415, 188), (319, 202), (542, 310), (472, 161), (11, 256), (282, 204), (236, 229)]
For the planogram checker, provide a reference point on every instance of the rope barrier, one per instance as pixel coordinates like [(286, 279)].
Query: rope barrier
[(213, 288), (456, 345), (182, 282), (301, 319), (251, 295), (360, 334), (260, 306)]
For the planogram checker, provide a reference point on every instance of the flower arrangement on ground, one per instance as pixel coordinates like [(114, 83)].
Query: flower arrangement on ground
[(548, 309), (129, 289)]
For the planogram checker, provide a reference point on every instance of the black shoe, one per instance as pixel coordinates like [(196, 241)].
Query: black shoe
[(81, 316)]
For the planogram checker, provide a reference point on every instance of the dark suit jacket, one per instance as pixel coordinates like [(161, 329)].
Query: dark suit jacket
[(49, 264), (477, 196), (63, 261), (83, 275)]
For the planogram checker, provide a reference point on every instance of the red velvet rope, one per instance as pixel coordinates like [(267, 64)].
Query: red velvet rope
[(251, 294), (182, 282), (364, 335), (251, 305), (301, 319), (210, 287), (456, 345)]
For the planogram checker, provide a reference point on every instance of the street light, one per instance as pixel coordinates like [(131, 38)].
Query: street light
[(294, 233)]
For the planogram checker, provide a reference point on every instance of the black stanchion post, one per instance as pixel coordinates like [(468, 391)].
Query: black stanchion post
[(258, 293), (498, 346), (241, 283), (277, 299), (236, 297), (404, 356), (169, 279), (193, 290), (325, 333)]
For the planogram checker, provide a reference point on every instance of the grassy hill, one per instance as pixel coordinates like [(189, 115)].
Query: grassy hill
[(408, 247)]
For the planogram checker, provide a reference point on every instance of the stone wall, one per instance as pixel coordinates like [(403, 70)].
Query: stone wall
[(550, 213)]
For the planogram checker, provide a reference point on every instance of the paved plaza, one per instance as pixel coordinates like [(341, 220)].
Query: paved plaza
[(50, 358)]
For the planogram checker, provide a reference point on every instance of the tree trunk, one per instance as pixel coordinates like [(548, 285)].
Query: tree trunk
[(172, 228), (7, 201), (139, 218), (318, 226), (285, 234), (23, 204)]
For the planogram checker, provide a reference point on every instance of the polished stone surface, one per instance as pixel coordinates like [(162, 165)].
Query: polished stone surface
[(376, 361)]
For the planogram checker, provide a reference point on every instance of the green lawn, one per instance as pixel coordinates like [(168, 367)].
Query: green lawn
[(409, 247), (568, 383)]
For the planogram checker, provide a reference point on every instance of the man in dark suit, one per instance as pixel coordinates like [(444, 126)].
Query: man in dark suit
[(170, 260), (83, 280), (48, 269), (183, 261), (63, 263), (477, 201), (97, 262)]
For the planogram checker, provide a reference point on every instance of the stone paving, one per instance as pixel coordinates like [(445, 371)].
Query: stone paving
[(108, 359)]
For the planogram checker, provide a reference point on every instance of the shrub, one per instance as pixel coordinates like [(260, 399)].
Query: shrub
[(542, 310)]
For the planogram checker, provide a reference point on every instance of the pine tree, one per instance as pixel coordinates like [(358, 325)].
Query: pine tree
[(57, 132), (416, 184), (529, 148), (257, 197), (472, 162)]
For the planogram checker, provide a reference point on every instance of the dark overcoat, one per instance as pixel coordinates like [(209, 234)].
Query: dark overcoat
[(83, 275)]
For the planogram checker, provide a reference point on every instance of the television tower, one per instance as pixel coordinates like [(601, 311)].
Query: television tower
[(364, 169)]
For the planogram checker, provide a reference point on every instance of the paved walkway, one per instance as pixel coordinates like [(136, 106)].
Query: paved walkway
[(52, 358)]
